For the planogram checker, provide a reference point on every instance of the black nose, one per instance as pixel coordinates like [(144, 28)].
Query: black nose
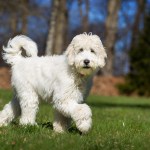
[(86, 61)]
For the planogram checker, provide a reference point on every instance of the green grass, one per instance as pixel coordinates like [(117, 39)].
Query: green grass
[(118, 123)]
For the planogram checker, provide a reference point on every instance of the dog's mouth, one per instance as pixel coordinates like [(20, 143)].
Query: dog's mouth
[(86, 67)]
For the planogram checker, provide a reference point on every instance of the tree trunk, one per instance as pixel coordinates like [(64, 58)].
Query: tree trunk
[(81, 13), (24, 16), (61, 28), (135, 30), (13, 23), (58, 28), (84, 19), (51, 34), (110, 38)]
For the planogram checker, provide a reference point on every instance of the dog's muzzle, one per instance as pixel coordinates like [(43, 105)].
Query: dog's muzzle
[(86, 64)]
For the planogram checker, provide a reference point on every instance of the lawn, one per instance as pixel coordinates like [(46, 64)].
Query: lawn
[(118, 123)]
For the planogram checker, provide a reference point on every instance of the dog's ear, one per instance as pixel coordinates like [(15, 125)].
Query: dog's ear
[(70, 54), (101, 51), (102, 57)]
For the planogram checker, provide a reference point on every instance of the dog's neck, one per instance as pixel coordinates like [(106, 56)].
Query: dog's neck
[(80, 79)]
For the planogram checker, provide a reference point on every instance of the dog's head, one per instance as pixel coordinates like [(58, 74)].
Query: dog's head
[(86, 53)]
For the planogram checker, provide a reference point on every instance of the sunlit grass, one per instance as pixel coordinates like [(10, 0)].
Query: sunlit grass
[(118, 123)]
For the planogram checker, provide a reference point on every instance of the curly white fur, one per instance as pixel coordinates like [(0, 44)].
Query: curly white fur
[(59, 80)]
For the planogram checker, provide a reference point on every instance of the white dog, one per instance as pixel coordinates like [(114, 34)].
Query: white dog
[(59, 80)]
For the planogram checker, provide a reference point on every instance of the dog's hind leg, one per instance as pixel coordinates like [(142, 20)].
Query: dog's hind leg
[(61, 123), (29, 107), (10, 112)]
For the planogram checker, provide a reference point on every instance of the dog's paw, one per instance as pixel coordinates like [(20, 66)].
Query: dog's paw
[(3, 124), (58, 128), (61, 126), (82, 116), (3, 120), (27, 122)]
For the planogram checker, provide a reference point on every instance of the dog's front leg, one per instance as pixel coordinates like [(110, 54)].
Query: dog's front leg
[(61, 123), (82, 116), (80, 113)]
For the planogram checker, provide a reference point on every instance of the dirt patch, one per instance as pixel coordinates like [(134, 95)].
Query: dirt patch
[(106, 86), (5, 78), (101, 85)]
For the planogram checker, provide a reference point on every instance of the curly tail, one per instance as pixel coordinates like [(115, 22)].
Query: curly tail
[(14, 50)]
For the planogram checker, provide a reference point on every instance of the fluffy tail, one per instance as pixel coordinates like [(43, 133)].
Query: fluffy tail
[(14, 50)]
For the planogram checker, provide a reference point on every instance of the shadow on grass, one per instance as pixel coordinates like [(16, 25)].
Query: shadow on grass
[(74, 130), (108, 105), (29, 128), (49, 125)]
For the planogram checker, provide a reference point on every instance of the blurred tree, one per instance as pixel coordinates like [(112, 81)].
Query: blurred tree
[(111, 32), (84, 18), (17, 15), (24, 16), (51, 34), (14, 22), (138, 80), (58, 28), (81, 13), (136, 26)]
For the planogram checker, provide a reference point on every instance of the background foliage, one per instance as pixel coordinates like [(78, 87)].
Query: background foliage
[(138, 80)]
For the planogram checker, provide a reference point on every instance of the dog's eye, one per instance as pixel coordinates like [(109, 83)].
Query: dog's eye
[(92, 51), (81, 50)]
